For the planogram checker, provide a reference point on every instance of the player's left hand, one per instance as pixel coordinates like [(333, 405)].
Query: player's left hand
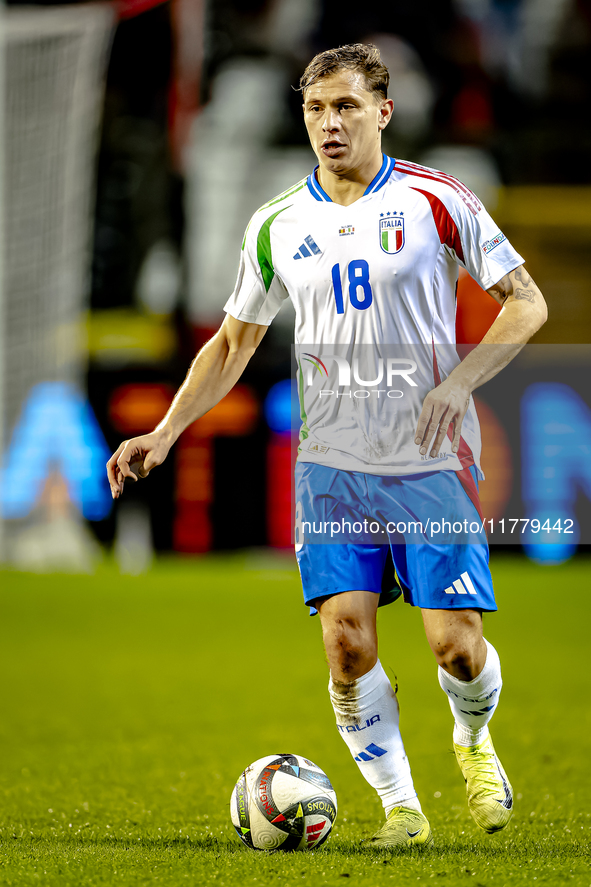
[(443, 406)]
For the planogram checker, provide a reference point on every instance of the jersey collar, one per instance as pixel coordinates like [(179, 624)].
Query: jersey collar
[(318, 192)]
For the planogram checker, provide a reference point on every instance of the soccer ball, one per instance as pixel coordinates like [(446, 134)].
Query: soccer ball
[(283, 802)]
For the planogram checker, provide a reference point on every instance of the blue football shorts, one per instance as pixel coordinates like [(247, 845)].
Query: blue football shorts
[(363, 532)]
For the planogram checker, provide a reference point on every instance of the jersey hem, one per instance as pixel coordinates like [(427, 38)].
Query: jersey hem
[(248, 318), (385, 471)]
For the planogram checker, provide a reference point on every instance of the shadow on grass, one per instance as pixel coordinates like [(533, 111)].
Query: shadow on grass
[(456, 849)]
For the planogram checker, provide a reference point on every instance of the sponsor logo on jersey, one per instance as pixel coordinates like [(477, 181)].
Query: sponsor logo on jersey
[(490, 244), (308, 248), (346, 229), (315, 448), (391, 232), (459, 587), (357, 728)]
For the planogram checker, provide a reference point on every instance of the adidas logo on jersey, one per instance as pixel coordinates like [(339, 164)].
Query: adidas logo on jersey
[(308, 248), (372, 751), (459, 587)]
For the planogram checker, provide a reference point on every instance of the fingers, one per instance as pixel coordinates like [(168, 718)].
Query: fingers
[(130, 456), (441, 433), (135, 467), (455, 444), (429, 426), (134, 459), (125, 463), (114, 472), (151, 461), (143, 464), (434, 425), (423, 435)]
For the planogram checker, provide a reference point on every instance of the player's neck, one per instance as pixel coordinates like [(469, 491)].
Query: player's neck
[(347, 187)]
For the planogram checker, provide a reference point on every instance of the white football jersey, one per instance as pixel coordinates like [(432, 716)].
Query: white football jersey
[(374, 290)]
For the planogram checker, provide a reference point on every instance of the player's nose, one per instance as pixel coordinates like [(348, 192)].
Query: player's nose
[(331, 121)]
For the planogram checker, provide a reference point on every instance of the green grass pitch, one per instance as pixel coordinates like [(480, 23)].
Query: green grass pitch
[(131, 705)]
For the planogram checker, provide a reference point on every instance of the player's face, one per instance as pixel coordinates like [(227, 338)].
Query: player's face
[(344, 121)]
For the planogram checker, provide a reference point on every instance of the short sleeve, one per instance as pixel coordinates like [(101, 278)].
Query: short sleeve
[(485, 252), (259, 292)]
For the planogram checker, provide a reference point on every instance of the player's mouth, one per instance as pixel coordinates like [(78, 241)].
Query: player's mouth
[(332, 148)]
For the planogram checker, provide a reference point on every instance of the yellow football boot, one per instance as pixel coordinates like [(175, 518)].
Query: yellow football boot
[(490, 797), (403, 828)]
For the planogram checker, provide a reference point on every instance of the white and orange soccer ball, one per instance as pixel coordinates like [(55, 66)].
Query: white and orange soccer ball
[(283, 802)]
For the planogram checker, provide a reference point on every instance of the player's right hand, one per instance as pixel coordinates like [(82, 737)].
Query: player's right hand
[(135, 458)]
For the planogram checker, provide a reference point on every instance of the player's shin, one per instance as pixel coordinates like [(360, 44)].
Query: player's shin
[(368, 720), (473, 703), (489, 792)]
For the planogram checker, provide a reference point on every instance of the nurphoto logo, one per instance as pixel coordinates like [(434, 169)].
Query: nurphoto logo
[(386, 371)]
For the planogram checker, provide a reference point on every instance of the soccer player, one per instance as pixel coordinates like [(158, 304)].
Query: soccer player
[(368, 249)]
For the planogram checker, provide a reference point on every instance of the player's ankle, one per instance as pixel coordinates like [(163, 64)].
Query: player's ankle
[(411, 803), (468, 736)]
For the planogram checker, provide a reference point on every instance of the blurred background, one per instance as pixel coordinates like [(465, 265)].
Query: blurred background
[(136, 140)]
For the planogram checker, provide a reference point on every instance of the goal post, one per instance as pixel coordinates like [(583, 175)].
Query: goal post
[(52, 74)]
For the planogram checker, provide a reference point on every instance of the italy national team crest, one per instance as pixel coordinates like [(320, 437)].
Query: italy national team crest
[(391, 232)]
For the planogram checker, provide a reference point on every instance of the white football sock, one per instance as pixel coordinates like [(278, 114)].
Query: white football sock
[(367, 718), (473, 703)]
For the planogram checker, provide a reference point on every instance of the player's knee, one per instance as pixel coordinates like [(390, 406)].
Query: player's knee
[(348, 659), (350, 646), (457, 658)]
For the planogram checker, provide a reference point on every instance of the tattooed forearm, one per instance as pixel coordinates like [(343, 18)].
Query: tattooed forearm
[(522, 275), (524, 294), (517, 285), (516, 323), (500, 291)]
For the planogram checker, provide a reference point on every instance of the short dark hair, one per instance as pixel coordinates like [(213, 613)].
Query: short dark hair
[(362, 57)]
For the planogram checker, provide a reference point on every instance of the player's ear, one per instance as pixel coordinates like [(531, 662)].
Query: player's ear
[(386, 108)]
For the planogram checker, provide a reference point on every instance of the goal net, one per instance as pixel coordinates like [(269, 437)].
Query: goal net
[(52, 72)]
